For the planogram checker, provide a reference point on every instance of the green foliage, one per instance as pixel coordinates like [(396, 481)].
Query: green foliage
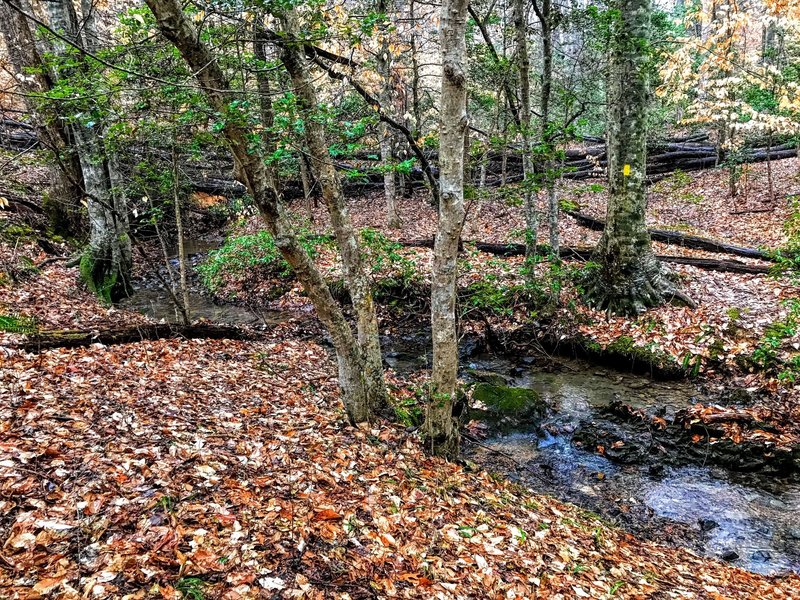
[(767, 354), (787, 259), (17, 324), (191, 588), (409, 410), (245, 255), (385, 260)]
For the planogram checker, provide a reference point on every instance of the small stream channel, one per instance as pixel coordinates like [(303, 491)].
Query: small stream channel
[(749, 519)]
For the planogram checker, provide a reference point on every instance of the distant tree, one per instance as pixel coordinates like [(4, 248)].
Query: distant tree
[(35, 82)]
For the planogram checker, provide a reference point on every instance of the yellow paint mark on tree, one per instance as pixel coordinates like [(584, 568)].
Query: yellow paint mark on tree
[(626, 170)]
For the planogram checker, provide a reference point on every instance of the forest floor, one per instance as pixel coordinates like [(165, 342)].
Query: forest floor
[(226, 469)]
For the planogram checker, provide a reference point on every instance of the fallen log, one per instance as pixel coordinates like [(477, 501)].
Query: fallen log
[(585, 254), (46, 339), (676, 238)]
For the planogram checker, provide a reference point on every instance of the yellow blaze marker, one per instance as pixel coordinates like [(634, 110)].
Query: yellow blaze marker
[(626, 170)]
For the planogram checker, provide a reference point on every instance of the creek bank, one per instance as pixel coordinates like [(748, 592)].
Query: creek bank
[(672, 495), (672, 500)]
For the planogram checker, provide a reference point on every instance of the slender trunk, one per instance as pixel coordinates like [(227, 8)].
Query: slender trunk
[(384, 68), (524, 67), (770, 184), (307, 202), (358, 388), (441, 428), (630, 278), (546, 21), (354, 270), (176, 198)]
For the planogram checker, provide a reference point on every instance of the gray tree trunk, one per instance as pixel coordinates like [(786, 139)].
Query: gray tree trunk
[(354, 270), (106, 265), (441, 429), (524, 67), (357, 380), (384, 67), (630, 278), (66, 178)]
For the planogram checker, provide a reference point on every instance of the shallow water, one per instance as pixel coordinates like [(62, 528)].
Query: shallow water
[(752, 520)]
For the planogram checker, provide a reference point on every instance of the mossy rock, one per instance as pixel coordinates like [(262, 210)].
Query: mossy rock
[(507, 407)]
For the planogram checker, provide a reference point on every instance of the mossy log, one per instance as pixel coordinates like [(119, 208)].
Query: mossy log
[(583, 254), (66, 338)]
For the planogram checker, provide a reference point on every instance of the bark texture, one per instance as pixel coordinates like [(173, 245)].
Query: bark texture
[(384, 65), (524, 67), (630, 279), (107, 263), (360, 392), (66, 178), (441, 429)]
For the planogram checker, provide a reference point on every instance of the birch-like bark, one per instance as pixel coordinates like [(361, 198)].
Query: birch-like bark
[(441, 429), (630, 278), (356, 380), (106, 266)]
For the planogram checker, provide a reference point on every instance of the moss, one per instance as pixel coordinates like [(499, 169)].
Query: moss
[(521, 404), (99, 281), (17, 232)]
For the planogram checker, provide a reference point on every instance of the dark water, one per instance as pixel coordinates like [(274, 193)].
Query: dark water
[(154, 301), (752, 520)]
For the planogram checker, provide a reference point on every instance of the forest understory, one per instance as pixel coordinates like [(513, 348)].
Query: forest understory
[(227, 468)]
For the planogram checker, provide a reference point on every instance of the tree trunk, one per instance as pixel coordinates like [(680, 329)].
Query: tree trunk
[(524, 66), (358, 281), (630, 278), (384, 68), (441, 428), (546, 20), (107, 263), (66, 178), (356, 380)]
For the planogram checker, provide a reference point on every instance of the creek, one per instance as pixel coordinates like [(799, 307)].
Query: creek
[(750, 519)]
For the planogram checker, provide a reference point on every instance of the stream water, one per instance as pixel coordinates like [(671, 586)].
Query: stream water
[(750, 519)]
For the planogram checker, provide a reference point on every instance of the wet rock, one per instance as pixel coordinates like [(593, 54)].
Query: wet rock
[(793, 533), (729, 555), (761, 555), (708, 524), (527, 360), (506, 406), (490, 377)]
